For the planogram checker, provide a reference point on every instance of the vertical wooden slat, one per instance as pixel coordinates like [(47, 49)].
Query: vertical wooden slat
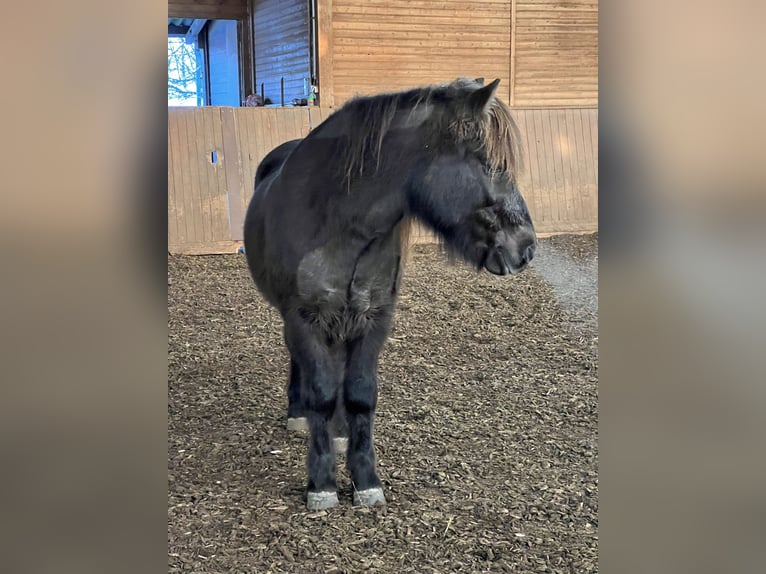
[(525, 180), (575, 165), (587, 146), (280, 123), (219, 205), (325, 56), (186, 195), (246, 123), (206, 161), (172, 212), (512, 97), (593, 124), (253, 125), (200, 175), (543, 173), (550, 166), (562, 147), (260, 139), (190, 188), (271, 128), (233, 170)]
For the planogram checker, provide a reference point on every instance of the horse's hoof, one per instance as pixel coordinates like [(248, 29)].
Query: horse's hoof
[(369, 497), (298, 424), (321, 500), (341, 444)]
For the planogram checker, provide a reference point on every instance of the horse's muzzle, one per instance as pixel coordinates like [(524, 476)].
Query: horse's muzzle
[(508, 258)]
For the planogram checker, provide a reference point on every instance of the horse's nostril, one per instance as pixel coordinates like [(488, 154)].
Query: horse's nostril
[(529, 253)]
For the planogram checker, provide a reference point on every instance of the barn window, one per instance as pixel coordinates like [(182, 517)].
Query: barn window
[(203, 62)]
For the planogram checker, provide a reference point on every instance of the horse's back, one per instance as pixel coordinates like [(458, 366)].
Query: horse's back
[(274, 160)]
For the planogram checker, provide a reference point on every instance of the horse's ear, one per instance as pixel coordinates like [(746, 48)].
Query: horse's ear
[(481, 99), (479, 81)]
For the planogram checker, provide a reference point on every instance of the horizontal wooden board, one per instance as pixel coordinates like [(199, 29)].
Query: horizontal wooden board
[(207, 9), (555, 53)]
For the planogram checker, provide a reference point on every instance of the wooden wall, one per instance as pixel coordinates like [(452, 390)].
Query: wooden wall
[(207, 193), (388, 45), (554, 53), (208, 9), (281, 29), (560, 177), (207, 200)]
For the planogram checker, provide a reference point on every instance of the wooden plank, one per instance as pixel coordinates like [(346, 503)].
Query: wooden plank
[(545, 178), (172, 212), (551, 167), (525, 179), (563, 197), (260, 140), (206, 163), (243, 117), (192, 167), (186, 193), (570, 163), (219, 227), (199, 171), (207, 9), (401, 24), (233, 169), (593, 125), (575, 165), (205, 248), (454, 9), (588, 147), (220, 204), (512, 79), (326, 47), (413, 51), (591, 171)]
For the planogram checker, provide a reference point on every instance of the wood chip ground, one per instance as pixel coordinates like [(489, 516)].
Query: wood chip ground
[(486, 432)]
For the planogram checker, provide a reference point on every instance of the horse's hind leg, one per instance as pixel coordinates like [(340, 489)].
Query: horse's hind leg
[(321, 369), (361, 395)]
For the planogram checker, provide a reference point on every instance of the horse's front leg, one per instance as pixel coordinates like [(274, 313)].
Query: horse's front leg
[(321, 370), (296, 409), (360, 397)]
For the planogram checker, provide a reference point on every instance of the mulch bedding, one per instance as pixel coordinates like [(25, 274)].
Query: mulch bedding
[(486, 429)]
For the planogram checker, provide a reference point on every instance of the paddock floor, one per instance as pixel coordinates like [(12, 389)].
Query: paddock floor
[(486, 432)]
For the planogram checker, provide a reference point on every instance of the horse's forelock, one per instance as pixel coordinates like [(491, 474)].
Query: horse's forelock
[(502, 139)]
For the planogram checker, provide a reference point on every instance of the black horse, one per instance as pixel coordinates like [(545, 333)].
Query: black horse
[(327, 227)]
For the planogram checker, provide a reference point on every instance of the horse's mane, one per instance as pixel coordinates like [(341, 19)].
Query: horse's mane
[(369, 119)]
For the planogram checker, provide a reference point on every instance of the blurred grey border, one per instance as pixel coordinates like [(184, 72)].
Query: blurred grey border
[(682, 391), (82, 211)]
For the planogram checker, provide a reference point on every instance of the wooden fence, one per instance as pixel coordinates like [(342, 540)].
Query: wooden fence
[(213, 153)]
